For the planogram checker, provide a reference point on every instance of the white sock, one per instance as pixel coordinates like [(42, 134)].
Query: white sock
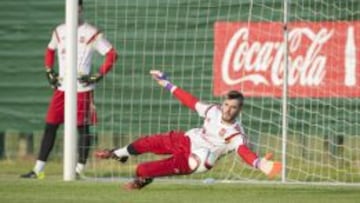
[(79, 168), (122, 152), (39, 166)]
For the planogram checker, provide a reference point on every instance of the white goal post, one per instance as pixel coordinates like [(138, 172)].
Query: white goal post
[(70, 132)]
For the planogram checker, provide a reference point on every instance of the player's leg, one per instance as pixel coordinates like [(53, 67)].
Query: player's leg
[(84, 144), (47, 144), (156, 143), (145, 172), (174, 165), (162, 143), (54, 118), (86, 116)]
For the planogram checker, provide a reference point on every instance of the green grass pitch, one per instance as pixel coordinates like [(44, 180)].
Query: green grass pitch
[(54, 190)]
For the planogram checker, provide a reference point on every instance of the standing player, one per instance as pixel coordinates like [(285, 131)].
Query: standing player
[(198, 149), (90, 39)]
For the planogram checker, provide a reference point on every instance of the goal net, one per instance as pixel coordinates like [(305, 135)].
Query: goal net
[(209, 47)]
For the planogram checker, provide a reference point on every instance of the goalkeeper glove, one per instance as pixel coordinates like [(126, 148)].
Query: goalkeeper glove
[(270, 168), (90, 79), (162, 79), (53, 78)]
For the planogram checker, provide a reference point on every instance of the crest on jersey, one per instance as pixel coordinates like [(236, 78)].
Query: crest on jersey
[(237, 127), (222, 132)]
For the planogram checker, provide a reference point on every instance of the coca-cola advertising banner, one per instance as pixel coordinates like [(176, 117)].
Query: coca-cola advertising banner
[(249, 56)]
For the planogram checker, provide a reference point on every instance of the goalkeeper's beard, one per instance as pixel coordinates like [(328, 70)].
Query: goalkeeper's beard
[(228, 118)]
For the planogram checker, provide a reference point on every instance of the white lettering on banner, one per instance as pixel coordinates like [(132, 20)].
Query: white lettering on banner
[(253, 60), (350, 58)]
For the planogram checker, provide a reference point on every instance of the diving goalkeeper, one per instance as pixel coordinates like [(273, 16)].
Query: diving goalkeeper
[(196, 150)]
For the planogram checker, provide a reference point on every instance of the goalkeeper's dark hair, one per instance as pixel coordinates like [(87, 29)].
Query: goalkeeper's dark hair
[(233, 94), (80, 2)]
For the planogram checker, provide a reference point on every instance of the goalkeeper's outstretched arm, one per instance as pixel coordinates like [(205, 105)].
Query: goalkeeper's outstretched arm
[(183, 96), (265, 164)]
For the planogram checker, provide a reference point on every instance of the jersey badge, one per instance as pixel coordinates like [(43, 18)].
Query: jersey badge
[(222, 132)]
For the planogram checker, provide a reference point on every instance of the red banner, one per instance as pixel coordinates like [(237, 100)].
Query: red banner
[(323, 58)]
